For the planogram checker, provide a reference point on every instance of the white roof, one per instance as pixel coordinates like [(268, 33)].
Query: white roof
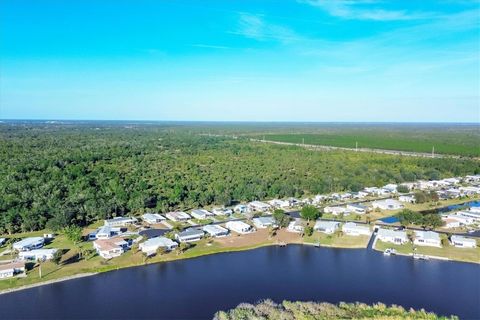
[(387, 233), (427, 235), (121, 219), (388, 202), (326, 224), (159, 242), (153, 216), (105, 230), (456, 238), (179, 215), (28, 242), (277, 202), (295, 223), (335, 209), (239, 224), (354, 226), (264, 220), (259, 204), (38, 252), (214, 229), (202, 212)]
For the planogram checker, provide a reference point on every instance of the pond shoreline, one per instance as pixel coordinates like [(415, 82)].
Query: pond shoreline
[(220, 251), (255, 273)]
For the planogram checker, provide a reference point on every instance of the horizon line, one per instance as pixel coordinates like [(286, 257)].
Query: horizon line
[(241, 121)]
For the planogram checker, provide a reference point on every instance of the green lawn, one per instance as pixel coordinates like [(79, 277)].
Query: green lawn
[(96, 264), (333, 240), (447, 251), (464, 145)]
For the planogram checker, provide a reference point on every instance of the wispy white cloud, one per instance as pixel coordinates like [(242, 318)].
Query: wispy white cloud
[(255, 26), (209, 46), (365, 10)]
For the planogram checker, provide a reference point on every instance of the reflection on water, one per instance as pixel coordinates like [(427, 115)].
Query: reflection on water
[(196, 288)]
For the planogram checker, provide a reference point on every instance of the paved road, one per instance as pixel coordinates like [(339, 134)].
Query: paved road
[(382, 151)]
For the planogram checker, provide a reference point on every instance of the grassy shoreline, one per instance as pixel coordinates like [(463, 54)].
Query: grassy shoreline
[(130, 259), (118, 267), (72, 268)]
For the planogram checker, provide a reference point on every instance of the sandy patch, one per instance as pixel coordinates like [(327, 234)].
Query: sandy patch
[(258, 237)]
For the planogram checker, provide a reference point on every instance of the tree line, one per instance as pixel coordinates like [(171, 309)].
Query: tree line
[(56, 176)]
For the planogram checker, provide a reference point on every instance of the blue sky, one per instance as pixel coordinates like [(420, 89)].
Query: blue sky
[(306, 60)]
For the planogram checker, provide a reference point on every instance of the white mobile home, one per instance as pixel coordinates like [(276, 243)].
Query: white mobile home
[(151, 246), (104, 232), (239, 227), (450, 222), (463, 220), (37, 254), (388, 204), (469, 191), (357, 208), (328, 227), (29, 244), (190, 235), (390, 188), (259, 206), (264, 222), (471, 213), (463, 242), (8, 270), (392, 236), (336, 210), (353, 229), (221, 211), (407, 199), (215, 230), (472, 178), (276, 203), (345, 196), (178, 216), (427, 238), (120, 221), (296, 226), (110, 248), (319, 198), (153, 218), (201, 214), (240, 208)]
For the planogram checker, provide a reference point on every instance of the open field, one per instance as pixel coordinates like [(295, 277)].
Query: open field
[(460, 144)]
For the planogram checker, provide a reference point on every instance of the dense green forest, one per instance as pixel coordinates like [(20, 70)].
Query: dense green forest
[(57, 175)]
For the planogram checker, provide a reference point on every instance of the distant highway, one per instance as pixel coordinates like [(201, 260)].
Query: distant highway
[(383, 151)]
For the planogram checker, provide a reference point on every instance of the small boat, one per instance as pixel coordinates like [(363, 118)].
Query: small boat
[(420, 257), (389, 252)]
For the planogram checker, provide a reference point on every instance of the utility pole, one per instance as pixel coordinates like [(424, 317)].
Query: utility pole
[(356, 146), (433, 152), (303, 141)]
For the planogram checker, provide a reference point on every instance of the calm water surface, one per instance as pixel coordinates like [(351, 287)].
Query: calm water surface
[(196, 288)]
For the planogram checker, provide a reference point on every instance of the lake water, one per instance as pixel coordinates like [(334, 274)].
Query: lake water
[(446, 209), (196, 288)]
